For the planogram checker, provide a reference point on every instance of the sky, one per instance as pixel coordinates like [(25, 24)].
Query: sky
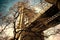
[(6, 4)]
